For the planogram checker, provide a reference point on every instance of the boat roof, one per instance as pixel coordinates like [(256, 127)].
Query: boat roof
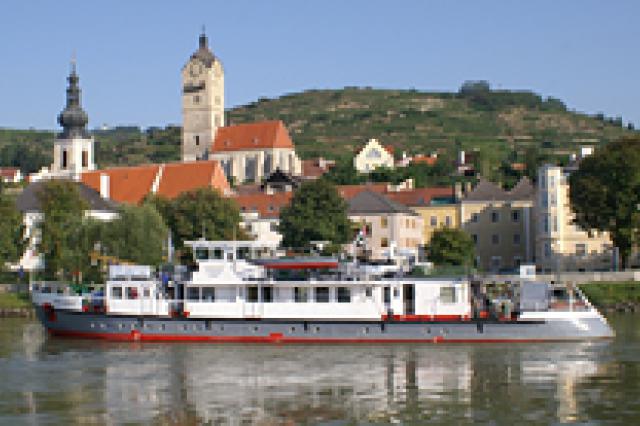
[(299, 263), (230, 245)]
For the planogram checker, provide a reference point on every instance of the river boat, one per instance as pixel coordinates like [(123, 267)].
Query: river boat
[(238, 292)]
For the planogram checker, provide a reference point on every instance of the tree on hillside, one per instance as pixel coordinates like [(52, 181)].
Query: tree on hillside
[(64, 233), (343, 173), (316, 213), (450, 246), (605, 193), (11, 231), (203, 213), (139, 235)]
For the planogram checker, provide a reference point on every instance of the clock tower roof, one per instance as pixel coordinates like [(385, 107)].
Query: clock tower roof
[(203, 53)]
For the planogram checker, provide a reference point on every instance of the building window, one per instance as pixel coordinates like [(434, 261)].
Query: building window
[(495, 217), (344, 295), (447, 221), (515, 216), (197, 139), (495, 239), (496, 261), (64, 159), (196, 99), (85, 159), (474, 217), (301, 294), (547, 249), (434, 221), (554, 224), (581, 249), (384, 242), (516, 239), (322, 294), (475, 238), (383, 222), (368, 292)]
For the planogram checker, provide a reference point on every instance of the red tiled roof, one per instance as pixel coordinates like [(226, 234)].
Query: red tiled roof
[(423, 159), (349, 191), (267, 205), (126, 184), (182, 177), (313, 169), (420, 196), (391, 150), (8, 172), (261, 135)]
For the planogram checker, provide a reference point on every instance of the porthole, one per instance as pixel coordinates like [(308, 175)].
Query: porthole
[(222, 328), (292, 329), (365, 330), (316, 329), (103, 325), (428, 330), (185, 327), (121, 326), (255, 328), (163, 327), (444, 331)]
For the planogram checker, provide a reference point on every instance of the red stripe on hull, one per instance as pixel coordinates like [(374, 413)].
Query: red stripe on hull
[(277, 338)]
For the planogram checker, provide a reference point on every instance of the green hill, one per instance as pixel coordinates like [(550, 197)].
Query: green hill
[(505, 126)]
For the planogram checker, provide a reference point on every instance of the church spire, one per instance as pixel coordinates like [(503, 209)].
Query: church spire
[(73, 119), (204, 42)]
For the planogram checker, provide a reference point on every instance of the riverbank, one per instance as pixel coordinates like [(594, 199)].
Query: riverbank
[(614, 296), (15, 305)]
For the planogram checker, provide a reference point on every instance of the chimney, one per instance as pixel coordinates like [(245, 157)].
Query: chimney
[(105, 190)]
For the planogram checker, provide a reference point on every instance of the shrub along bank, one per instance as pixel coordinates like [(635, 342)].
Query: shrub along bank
[(618, 296)]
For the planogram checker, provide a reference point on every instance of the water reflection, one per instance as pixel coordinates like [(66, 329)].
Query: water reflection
[(60, 381)]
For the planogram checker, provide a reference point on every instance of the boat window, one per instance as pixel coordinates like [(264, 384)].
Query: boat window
[(396, 292), (448, 294), (193, 294), (202, 254), (267, 294), (252, 294), (147, 293), (243, 253), (368, 291), (301, 294), (217, 253), (344, 295), (208, 294), (132, 293), (116, 292), (322, 294), (46, 290)]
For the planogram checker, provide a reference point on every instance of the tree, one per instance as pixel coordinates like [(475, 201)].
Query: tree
[(450, 246), (203, 213), (64, 233), (138, 235), (605, 193), (11, 231), (316, 213)]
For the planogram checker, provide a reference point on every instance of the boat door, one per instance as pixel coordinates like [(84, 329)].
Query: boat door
[(408, 298), (386, 298), (147, 298)]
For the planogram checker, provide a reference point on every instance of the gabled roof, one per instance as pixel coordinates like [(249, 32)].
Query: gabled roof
[(126, 184), (266, 205), (28, 200), (8, 172), (316, 167), (489, 191), (177, 178), (245, 137), (369, 202)]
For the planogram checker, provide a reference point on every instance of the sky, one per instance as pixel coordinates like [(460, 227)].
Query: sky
[(129, 53)]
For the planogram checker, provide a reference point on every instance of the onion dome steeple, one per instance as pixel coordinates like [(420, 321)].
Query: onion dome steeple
[(73, 119)]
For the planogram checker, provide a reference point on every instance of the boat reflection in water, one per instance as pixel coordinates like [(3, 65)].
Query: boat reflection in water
[(266, 383)]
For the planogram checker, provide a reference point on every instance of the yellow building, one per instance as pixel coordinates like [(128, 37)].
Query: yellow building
[(438, 216), (561, 244), (501, 224)]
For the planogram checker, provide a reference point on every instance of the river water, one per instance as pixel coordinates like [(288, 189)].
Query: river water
[(60, 381)]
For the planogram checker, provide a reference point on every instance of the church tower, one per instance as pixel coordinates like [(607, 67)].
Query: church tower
[(73, 147), (202, 102)]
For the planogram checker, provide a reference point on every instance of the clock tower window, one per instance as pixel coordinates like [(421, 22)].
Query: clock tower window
[(196, 99), (64, 158), (197, 138)]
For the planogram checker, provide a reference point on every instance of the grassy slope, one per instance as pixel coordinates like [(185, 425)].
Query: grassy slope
[(334, 123), (14, 301)]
